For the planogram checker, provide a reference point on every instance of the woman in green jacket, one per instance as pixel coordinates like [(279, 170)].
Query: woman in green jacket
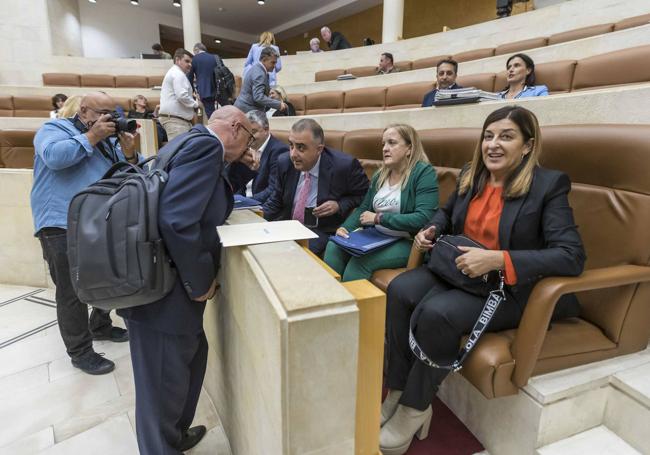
[(401, 199)]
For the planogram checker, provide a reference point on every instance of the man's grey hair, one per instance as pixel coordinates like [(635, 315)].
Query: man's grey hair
[(268, 52), (258, 117), (325, 28), (311, 125), (200, 47)]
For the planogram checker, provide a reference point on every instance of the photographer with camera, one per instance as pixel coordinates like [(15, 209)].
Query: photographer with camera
[(71, 153)]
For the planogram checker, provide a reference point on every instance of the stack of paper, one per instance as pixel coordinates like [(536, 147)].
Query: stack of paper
[(364, 241), (246, 203), (464, 95)]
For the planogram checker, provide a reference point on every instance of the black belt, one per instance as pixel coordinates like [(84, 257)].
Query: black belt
[(175, 116)]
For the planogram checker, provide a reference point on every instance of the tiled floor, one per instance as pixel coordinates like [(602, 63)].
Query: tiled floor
[(49, 407)]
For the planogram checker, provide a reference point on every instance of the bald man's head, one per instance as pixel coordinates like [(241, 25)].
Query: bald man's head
[(93, 105), (234, 130)]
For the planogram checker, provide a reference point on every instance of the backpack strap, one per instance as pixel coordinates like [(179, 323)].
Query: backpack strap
[(162, 160)]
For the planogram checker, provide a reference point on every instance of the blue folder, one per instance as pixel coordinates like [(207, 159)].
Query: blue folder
[(364, 241), (243, 202)]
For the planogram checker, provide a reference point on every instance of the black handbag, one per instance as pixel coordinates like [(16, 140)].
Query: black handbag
[(443, 263)]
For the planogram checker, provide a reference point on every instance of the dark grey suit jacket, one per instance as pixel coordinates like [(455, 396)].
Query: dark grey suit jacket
[(255, 90)]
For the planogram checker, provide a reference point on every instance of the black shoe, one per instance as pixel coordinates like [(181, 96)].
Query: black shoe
[(116, 335), (191, 438), (93, 363)]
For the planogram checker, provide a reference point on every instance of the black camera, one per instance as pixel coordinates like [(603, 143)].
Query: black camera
[(123, 125)]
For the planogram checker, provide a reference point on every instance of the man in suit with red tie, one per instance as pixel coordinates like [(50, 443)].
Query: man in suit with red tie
[(313, 179)]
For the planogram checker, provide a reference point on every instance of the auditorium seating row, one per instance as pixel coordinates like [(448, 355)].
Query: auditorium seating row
[(627, 66), (40, 106), (106, 80), (609, 196), (503, 49)]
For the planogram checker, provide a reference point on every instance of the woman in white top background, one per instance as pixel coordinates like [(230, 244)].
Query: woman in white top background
[(402, 197)]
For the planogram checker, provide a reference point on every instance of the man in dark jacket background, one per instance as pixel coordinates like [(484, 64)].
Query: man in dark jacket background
[(335, 40), (202, 77)]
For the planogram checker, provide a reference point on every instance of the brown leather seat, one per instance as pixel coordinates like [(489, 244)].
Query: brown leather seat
[(131, 81), (406, 96), (298, 101), (483, 81), (154, 81), (579, 33), (124, 102), (625, 66), (97, 80), (405, 65), (362, 71), (518, 46), (328, 75), (608, 196), (557, 76), (630, 22), (17, 149), (32, 106), (6, 106), (429, 62), (365, 99), (474, 54), (364, 144), (152, 102), (62, 79), (330, 102)]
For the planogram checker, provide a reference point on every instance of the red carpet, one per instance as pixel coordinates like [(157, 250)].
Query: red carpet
[(447, 435)]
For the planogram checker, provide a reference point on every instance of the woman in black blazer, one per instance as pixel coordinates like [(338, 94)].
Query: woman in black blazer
[(521, 213)]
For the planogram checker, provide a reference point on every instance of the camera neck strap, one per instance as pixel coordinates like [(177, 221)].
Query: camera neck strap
[(494, 299)]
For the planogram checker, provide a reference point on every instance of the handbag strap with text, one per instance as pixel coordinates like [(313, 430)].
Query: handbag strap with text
[(494, 299)]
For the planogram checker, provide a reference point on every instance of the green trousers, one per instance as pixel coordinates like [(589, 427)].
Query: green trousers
[(359, 268)]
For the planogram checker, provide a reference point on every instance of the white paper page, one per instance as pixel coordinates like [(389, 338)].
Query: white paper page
[(255, 233)]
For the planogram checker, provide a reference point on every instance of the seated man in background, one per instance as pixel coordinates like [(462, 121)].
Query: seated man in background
[(386, 64), (72, 153), (267, 151), (316, 185), (254, 95), (335, 40), (446, 73)]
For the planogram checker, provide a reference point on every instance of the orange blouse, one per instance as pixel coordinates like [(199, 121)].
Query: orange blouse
[(482, 225)]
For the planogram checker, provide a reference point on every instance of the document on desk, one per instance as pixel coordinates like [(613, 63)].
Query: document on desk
[(255, 233)]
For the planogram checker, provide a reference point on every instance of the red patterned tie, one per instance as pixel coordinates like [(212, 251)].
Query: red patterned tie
[(299, 206)]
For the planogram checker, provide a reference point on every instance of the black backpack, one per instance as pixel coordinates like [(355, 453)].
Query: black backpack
[(116, 253), (224, 80)]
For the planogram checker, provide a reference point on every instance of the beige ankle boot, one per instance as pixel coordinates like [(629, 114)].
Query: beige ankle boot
[(396, 435), (389, 406)]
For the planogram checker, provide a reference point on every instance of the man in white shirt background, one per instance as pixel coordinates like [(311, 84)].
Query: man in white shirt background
[(177, 105)]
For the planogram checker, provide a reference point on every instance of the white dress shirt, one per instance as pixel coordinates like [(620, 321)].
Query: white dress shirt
[(249, 185), (176, 95)]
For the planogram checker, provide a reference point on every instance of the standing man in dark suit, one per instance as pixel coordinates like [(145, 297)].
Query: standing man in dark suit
[(254, 94), (168, 346), (268, 150), (335, 40), (315, 179), (202, 76), (446, 73)]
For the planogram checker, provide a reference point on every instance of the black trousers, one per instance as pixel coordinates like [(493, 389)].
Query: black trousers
[(71, 313), (442, 316), (208, 105), (168, 372)]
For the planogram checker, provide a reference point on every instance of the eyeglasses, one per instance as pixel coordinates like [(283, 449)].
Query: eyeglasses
[(252, 139)]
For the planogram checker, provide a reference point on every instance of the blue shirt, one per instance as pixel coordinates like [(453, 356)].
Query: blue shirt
[(528, 91), (64, 164)]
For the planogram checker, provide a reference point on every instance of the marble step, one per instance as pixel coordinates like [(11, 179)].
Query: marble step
[(597, 441)]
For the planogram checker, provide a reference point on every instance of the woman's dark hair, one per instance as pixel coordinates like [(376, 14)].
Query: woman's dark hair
[(56, 98), (530, 79), (517, 184)]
